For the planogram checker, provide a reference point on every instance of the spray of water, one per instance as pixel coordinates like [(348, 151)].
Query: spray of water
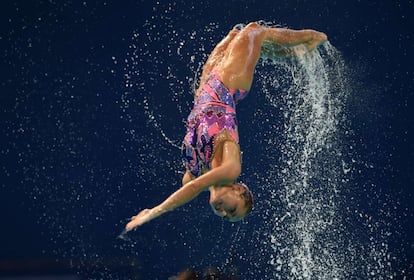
[(308, 175), (310, 226), (304, 171), (306, 184)]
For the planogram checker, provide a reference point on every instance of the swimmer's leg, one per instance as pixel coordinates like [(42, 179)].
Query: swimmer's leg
[(245, 49), (241, 57), (217, 54)]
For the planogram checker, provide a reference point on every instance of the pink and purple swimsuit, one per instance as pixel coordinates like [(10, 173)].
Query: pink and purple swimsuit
[(214, 110)]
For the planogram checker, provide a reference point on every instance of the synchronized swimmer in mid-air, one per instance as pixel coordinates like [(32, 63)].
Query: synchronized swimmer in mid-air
[(210, 147)]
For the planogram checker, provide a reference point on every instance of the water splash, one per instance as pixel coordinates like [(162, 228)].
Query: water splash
[(83, 157), (308, 172), (308, 230), (303, 177)]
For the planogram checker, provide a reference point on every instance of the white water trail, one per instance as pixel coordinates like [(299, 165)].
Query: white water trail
[(308, 175), (308, 227)]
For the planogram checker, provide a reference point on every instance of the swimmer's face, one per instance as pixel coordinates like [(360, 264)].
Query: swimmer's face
[(230, 206)]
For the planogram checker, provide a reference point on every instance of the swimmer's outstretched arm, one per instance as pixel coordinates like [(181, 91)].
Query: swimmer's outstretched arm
[(226, 173)]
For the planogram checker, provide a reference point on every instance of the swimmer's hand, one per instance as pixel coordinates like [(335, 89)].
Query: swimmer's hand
[(140, 219)]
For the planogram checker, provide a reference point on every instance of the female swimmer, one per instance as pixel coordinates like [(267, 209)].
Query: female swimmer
[(210, 147)]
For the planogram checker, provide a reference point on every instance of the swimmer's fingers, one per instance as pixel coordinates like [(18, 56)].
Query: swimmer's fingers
[(138, 220), (131, 225)]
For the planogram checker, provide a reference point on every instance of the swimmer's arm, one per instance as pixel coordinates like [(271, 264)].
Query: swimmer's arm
[(229, 169), (226, 173), (185, 194), (187, 177)]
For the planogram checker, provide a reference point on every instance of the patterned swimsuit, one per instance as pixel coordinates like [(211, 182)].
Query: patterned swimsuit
[(214, 110)]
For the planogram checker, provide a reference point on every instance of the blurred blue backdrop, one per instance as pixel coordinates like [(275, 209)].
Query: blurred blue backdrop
[(86, 94)]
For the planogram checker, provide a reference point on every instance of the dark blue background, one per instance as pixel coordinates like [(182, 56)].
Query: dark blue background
[(68, 158)]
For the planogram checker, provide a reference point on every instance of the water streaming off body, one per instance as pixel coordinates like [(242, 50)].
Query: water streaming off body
[(93, 137), (308, 175), (307, 179), (302, 179)]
